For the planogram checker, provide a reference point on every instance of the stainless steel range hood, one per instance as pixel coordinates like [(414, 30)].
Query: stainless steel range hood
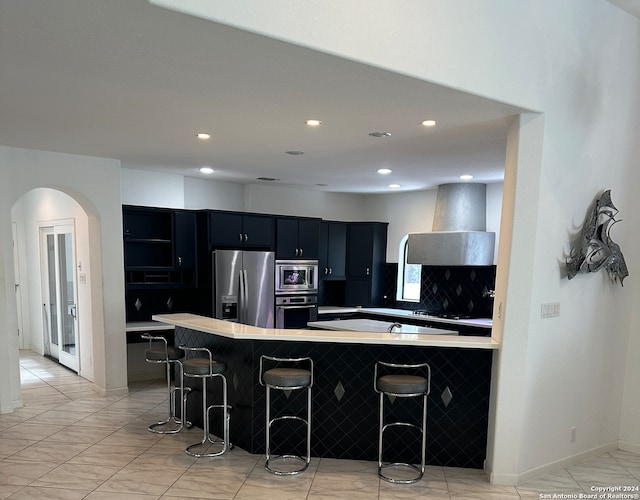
[(459, 236)]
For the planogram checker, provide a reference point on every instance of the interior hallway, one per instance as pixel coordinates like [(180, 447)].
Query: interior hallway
[(70, 443)]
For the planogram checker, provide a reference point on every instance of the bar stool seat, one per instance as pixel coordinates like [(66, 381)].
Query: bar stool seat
[(287, 378), (206, 368), (160, 351), (402, 385)]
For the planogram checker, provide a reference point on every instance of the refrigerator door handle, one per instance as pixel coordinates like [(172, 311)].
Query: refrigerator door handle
[(244, 290), (241, 298)]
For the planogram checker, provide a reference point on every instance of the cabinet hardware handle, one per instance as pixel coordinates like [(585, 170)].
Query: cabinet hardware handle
[(296, 252), (179, 261), (240, 236), (331, 270), (368, 271), (246, 237), (301, 252)]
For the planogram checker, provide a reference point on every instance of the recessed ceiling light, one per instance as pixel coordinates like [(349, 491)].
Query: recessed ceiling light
[(313, 123), (206, 170), (394, 186), (203, 136), (429, 123), (466, 177), (380, 134), (384, 171), (295, 153)]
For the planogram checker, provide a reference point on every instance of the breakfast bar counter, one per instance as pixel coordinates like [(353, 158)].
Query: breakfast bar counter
[(345, 406)]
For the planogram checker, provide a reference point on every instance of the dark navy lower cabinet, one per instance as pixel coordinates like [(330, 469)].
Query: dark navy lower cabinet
[(345, 406)]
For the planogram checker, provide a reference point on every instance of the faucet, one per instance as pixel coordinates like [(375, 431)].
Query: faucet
[(392, 326)]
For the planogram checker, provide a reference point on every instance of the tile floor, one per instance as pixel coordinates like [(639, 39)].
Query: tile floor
[(69, 443)]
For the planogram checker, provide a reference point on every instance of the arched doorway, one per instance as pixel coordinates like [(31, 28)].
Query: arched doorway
[(54, 251)]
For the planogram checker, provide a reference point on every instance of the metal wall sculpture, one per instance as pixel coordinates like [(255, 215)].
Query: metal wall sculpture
[(596, 250)]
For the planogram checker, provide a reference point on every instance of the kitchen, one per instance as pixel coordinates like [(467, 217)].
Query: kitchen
[(454, 289), (295, 280)]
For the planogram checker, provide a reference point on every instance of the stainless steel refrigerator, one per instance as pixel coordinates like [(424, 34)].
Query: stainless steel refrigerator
[(243, 287)]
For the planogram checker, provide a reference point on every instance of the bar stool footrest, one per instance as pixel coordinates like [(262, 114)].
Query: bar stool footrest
[(284, 457), (400, 464)]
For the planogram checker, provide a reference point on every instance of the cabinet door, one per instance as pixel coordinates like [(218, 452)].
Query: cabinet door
[(286, 238), (225, 229), (258, 231), (336, 250), (323, 250), (360, 251), (308, 238), (185, 240)]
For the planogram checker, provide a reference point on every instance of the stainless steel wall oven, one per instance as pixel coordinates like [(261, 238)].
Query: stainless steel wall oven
[(296, 293)]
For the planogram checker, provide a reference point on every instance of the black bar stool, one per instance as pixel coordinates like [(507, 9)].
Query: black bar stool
[(168, 355), (286, 378), (206, 368), (396, 380)]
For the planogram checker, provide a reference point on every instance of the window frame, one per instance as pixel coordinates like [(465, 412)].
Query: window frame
[(402, 265)]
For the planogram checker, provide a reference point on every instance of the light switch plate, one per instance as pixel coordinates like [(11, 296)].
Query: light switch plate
[(551, 310)]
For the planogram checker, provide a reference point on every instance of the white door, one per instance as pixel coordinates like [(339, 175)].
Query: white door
[(16, 273), (58, 264)]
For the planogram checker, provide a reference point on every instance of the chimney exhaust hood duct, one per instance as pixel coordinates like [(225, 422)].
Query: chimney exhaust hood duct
[(459, 236)]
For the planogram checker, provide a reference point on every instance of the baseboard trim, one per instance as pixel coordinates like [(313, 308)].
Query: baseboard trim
[(121, 391), (628, 446), (522, 477)]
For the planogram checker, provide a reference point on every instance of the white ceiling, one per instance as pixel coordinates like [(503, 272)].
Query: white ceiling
[(124, 79)]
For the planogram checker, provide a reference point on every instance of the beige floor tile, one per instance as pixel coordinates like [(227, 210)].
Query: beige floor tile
[(141, 481), (76, 476), (22, 473), (33, 492), (560, 482), (79, 435), (50, 452), (114, 456), (33, 432), (200, 484), (10, 446)]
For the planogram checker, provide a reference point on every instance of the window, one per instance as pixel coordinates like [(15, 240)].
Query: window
[(408, 275)]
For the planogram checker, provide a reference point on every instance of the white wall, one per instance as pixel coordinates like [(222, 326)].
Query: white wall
[(144, 187), (580, 67)]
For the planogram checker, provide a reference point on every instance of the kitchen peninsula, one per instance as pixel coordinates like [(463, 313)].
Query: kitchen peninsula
[(345, 406)]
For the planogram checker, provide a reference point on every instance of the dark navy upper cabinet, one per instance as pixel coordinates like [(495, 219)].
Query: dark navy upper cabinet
[(332, 257), (297, 238), (239, 230)]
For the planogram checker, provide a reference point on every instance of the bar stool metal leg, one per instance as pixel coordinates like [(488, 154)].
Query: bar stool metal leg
[(289, 379), (403, 386), (205, 369), (169, 356)]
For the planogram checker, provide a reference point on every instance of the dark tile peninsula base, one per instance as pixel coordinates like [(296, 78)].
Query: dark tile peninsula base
[(345, 406)]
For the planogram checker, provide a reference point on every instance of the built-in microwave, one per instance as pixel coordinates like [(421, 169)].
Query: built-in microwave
[(296, 276)]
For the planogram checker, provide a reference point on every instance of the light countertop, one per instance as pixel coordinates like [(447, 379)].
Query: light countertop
[(400, 313), (372, 325), (245, 332), (146, 326)]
